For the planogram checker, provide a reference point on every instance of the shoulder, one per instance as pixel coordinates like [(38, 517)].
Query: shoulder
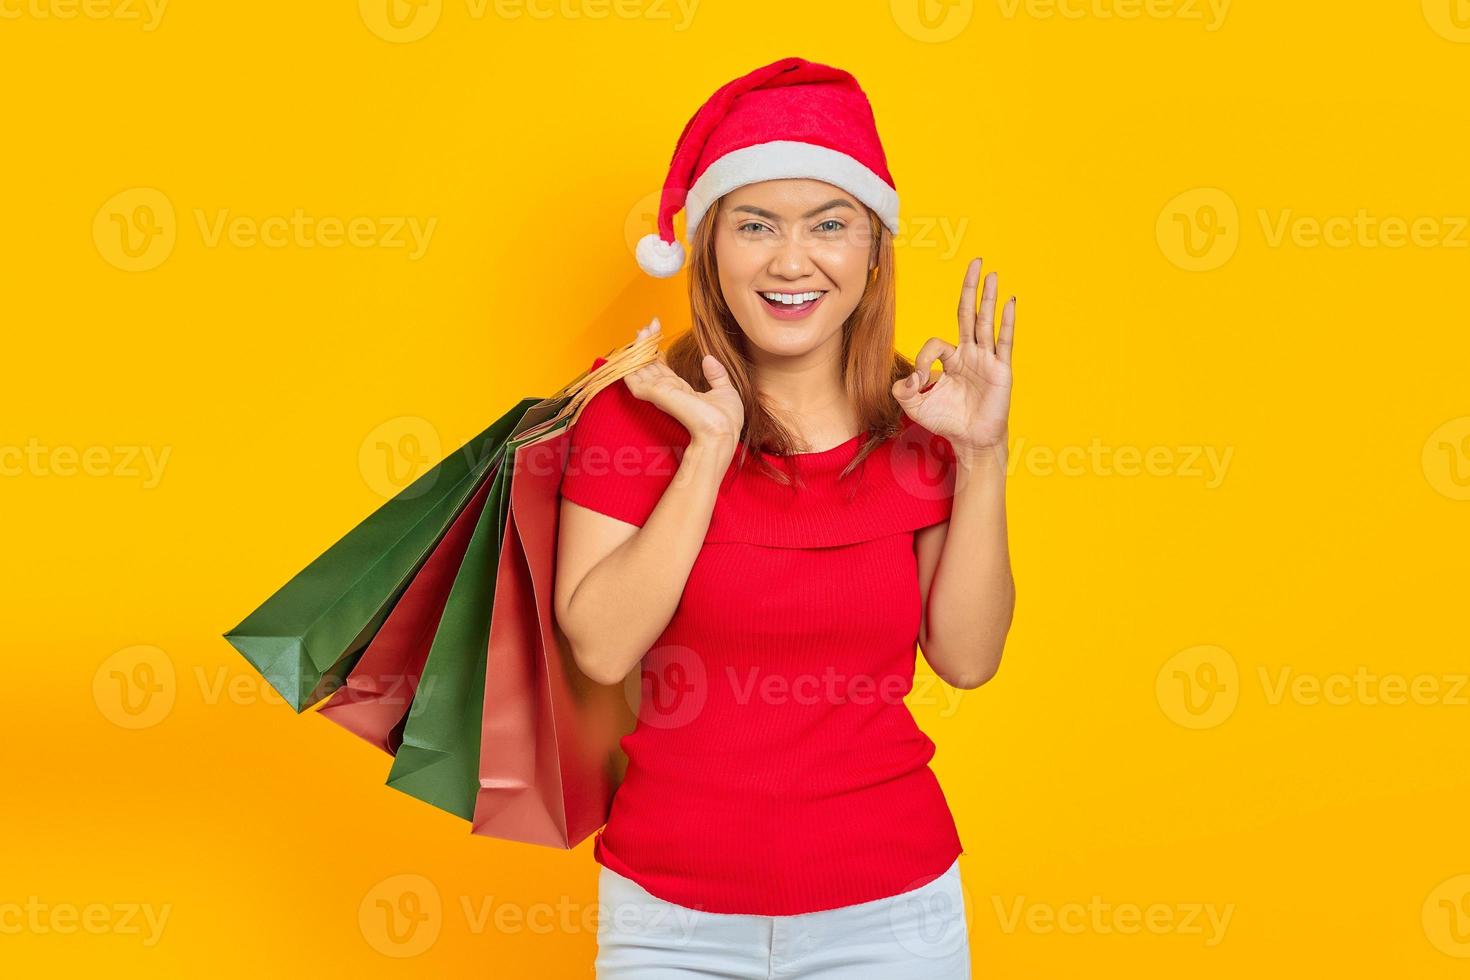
[(623, 453), (616, 417)]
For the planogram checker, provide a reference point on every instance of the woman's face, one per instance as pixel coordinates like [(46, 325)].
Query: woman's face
[(779, 239)]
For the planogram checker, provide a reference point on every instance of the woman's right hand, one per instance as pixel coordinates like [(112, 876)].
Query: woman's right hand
[(716, 415)]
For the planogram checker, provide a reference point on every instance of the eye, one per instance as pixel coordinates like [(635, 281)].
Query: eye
[(831, 221), (750, 224)]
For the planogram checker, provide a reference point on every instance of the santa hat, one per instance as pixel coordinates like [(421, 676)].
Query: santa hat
[(791, 118)]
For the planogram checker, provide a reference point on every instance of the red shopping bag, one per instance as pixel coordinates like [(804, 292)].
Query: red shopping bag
[(375, 700), (550, 761)]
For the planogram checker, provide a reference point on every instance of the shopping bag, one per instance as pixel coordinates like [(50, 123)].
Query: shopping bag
[(374, 702), (306, 637), (438, 759), (550, 759), (410, 594)]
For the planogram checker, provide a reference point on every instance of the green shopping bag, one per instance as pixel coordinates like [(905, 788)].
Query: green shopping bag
[(305, 638)]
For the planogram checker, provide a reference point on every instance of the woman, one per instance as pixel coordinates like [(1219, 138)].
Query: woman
[(768, 520)]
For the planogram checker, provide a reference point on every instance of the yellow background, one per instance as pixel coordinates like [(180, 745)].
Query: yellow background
[(1136, 749)]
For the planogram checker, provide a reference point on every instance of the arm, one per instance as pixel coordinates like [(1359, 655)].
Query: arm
[(624, 552), (965, 578), (618, 584), (968, 595)]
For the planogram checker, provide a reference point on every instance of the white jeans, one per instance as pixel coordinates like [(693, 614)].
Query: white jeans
[(916, 935)]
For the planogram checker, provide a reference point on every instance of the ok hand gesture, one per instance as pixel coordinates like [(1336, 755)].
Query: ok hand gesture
[(970, 403)]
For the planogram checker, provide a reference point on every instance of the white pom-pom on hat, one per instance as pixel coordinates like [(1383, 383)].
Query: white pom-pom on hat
[(659, 258)]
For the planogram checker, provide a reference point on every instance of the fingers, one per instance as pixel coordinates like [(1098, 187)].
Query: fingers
[(1007, 331), (715, 373), (934, 349), (985, 327), (967, 302), (653, 327)]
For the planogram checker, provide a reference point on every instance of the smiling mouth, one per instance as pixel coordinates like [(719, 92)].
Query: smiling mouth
[(790, 304)]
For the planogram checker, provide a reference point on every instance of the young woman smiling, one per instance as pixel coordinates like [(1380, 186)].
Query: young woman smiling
[(829, 509)]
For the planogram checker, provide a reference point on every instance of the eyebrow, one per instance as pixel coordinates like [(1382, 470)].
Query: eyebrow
[(836, 202)]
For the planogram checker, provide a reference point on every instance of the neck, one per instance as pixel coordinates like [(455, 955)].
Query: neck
[(806, 393)]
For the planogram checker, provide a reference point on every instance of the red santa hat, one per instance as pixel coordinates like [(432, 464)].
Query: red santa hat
[(791, 118)]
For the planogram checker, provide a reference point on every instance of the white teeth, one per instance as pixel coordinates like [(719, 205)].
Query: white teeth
[(791, 299)]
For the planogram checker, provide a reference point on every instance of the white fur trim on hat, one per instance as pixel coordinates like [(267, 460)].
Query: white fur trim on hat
[(659, 258), (789, 158)]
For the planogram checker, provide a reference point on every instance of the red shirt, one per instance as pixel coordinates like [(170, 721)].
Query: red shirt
[(775, 768)]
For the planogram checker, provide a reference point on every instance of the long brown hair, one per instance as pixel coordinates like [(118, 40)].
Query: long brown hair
[(870, 363)]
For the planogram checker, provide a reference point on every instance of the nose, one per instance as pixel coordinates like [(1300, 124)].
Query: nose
[(790, 260)]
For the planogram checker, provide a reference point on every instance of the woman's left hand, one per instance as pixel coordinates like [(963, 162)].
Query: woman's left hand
[(970, 403)]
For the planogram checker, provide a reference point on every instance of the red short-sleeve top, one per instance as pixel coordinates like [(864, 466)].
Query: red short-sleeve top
[(775, 768)]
